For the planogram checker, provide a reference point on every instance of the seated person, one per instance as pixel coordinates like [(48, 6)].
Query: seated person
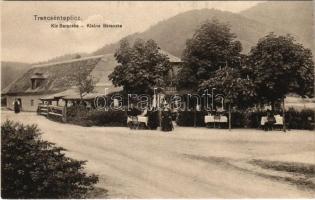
[(133, 111), (271, 120)]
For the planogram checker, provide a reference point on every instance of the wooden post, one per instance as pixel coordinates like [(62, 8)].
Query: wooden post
[(230, 123), (159, 110), (160, 118), (48, 111), (283, 115), (195, 113), (64, 112)]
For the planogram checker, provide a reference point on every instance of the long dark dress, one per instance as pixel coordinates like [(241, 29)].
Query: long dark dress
[(166, 121), (17, 107)]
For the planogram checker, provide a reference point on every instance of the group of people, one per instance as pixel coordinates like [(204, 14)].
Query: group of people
[(166, 117), (271, 120)]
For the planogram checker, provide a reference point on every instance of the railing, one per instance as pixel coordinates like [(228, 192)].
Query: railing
[(56, 112), (42, 109)]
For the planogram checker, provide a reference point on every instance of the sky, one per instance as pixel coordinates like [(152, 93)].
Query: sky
[(24, 39)]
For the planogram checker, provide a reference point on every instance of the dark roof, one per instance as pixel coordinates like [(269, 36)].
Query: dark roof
[(172, 58), (60, 76)]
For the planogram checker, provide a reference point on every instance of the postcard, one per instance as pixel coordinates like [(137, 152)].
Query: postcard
[(157, 99)]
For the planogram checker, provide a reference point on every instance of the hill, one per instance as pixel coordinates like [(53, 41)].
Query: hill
[(10, 71), (295, 17), (171, 34), (64, 57)]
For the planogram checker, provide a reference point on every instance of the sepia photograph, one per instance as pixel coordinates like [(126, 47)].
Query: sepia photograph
[(157, 99)]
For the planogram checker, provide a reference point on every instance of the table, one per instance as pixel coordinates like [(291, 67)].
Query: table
[(279, 120), (141, 119), (263, 120), (215, 119)]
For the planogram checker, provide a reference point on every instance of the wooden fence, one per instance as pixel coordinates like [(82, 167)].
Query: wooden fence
[(42, 109), (53, 112)]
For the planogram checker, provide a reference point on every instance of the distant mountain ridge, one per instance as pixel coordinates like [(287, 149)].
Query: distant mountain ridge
[(171, 34), (296, 18), (10, 71)]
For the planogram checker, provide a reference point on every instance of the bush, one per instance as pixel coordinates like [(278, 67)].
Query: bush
[(33, 168), (240, 119), (107, 118), (253, 119), (81, 116), (78, 115), (187, 118), (300, 120), (294, 119)]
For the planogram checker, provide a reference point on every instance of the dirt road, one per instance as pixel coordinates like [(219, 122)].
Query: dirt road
[(188, 163)]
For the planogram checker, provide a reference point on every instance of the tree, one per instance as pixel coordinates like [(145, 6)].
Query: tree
[(85, 83), (212, 46), (141, 67), (237, 91), (34, 168), (85, 86), (280, 66)]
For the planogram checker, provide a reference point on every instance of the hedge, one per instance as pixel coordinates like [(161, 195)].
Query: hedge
[(300, 120), (84, 117), (187, 118), (107, 118), (240, 119), (294, 119)]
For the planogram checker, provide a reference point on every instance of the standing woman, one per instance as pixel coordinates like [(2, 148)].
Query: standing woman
[(166, 121), (16, 104)]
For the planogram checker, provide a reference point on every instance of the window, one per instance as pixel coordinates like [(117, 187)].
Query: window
[(37, 79), (32, 102), (33, 84)]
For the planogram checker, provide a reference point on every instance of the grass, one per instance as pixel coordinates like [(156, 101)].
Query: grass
[(303, 175), (293, 167)]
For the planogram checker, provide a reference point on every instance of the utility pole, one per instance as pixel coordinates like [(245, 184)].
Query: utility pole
[(230, 123), (212, 97), (283, 115)]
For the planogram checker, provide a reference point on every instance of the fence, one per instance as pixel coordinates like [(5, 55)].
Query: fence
[(56, 112), (42, 109)]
